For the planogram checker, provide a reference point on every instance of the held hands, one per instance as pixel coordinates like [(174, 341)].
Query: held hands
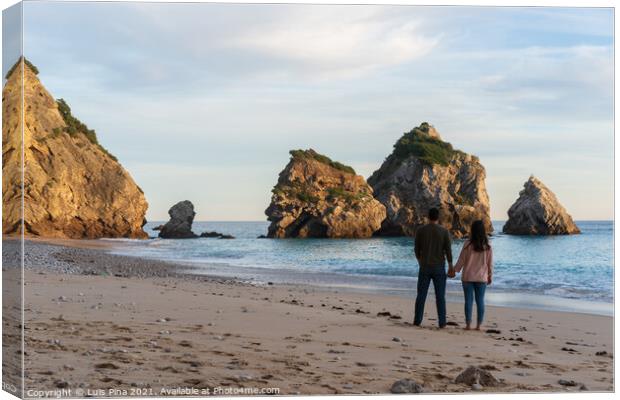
[(451, 271)]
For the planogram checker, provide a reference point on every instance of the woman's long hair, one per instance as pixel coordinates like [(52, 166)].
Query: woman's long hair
[(478, 236)]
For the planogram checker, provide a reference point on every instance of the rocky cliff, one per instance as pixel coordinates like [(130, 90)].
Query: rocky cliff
[(318, 197), (422, 172), (73, 188), (538, 212)]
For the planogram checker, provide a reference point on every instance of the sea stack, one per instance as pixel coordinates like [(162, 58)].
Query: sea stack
[(181, 219), (538, 212), (320, 198), (73, 188), (422, 172)]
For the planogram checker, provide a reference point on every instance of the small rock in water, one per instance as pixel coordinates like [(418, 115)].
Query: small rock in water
[(476, 386), (452, 323), (496, 331), (536, 211), (601, 353), (406, 386), (180, 224), (565, 382), (396, 339)]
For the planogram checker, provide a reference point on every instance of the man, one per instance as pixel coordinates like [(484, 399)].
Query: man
[(432, 248)]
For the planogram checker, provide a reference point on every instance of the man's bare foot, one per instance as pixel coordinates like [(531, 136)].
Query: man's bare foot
[(478, 327), (467, 328)]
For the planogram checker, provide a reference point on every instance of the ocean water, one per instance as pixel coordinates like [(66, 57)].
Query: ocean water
[(555, 272)]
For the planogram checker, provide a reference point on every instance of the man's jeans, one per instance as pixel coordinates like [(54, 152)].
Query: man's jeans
[(470, 289), (438, 275)]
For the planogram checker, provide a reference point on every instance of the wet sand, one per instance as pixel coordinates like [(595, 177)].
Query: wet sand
[(95, 321)]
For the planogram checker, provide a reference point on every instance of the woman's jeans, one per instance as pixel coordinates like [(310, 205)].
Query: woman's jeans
[(471, 290), (437, 274)]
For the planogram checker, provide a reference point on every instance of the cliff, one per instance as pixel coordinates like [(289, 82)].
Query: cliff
[(537, 211), (422, 172), (318, 197), (73, 188)]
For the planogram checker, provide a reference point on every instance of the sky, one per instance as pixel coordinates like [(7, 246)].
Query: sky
[(204, 101)]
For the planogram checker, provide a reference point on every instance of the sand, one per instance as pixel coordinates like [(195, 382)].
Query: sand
[(111, 325)]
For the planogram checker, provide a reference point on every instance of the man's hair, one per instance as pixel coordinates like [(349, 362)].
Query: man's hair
[(433, 214)]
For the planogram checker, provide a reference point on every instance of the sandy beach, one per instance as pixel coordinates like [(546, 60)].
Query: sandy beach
[(96, 321)]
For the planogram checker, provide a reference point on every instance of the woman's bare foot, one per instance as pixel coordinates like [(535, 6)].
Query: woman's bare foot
[(467, 328), (477, 327)]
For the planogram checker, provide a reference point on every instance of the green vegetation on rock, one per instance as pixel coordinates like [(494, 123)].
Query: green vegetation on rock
[(311, 154), (295, 189), (307, 197), (28, 63), (349, 197), (75, 126), (427, 149)]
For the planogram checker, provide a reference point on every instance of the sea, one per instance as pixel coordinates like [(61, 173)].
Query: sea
[(563, 273)]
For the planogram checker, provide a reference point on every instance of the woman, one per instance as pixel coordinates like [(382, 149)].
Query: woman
[(476, 262)]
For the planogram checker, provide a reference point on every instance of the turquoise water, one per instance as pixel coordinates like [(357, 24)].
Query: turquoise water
[(537, 270)]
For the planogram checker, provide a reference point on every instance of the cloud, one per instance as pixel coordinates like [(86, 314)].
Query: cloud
[(292, 40), (338, 45)]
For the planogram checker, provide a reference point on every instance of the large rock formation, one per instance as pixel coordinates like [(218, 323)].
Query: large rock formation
[(422, 172), (181, 219), (73, 188), (538, 212), (317, 197)]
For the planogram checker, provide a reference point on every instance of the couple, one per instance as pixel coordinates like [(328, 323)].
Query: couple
[(432, 248)]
